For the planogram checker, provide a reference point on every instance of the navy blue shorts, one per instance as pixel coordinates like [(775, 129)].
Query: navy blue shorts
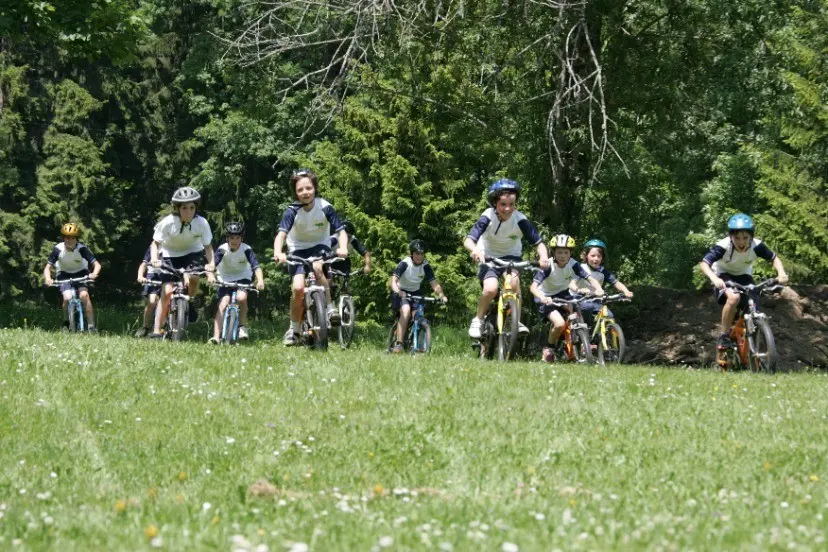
[(486, 271), (591, 307), (397, 301), (315, 251), (342, 265), (742, 279), (193, 262), (75, 285), (224, 291), (546, 310), (150, 289)]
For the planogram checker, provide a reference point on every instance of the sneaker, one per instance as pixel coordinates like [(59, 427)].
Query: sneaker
[(243, 333), (91, 329), (397, 348), (192, 314), (156, 335), (333, 316), (522, 329), (142, 332), (724, 342), (548, 354), (474, 328), (291, 338), (213, 341), (65, 326)]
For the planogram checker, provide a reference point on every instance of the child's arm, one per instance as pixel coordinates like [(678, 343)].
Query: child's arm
[(476, 254), (154, 260), (715, 280), (47, 274), (535, 290), (395, 286), (279, 246), (435, 286), (367, 258), (543, 255), (781, 275), (208, 253), (597, 290), (623, 289), (96, 270), (342, 250), (259, 279), (142, 272)]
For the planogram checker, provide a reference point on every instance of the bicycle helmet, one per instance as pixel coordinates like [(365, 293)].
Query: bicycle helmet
[(304, 173), (562, 240), (501, 187), (349, 227), (417, 246), (740, 221), (185, 194), (234, 229), (70, 229), (596, 243)]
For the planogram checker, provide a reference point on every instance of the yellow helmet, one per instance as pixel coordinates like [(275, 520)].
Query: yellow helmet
[(562, 240), (70, 229)]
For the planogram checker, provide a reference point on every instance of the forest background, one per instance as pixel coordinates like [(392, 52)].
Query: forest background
[(645, 123)]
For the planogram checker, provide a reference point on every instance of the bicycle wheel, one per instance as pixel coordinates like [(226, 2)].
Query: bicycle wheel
[(348, 322), (230, 331), (178, 318), (318, 321), (762, 348), (616, 345), (488, 338), (508, 336), (581, 347), (424, 338)]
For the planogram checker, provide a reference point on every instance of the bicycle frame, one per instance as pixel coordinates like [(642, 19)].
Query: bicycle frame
[(232, 307), (748, 320), (179, 292), (602, 319), (311, 289), (416, 323), (75, 301), (573, 322)]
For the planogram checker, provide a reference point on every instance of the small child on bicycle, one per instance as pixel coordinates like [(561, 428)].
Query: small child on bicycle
[(407, 279), (183, 239), (150, 293), (497, 233), (344, 265), (731, 260), (71, 259), (553, 283), (592, 261), (235, 263), (306, 227)]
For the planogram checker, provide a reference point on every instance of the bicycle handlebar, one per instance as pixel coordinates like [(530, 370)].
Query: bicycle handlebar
[(768, 286), (326, 259), (335, 272), (180, 272), (79, 280), (421, 298), (518, 265), (618, 297), (557, 301), (235, 285)]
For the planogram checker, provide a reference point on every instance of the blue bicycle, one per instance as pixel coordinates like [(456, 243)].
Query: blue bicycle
[(230, 321), (77, 319), (418, 336)]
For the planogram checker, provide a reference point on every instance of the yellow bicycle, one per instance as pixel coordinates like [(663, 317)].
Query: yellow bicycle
[(501, 327), (607, 333)]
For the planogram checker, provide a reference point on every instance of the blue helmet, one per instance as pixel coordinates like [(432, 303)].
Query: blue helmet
[(500, 187), (596, 243), (740, 221)]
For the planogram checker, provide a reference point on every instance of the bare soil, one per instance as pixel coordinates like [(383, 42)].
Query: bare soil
[(667, 326)]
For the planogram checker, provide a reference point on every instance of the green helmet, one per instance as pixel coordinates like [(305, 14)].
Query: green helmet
[(596, 243)]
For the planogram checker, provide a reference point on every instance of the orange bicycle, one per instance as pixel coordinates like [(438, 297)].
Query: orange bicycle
[(753, 344)]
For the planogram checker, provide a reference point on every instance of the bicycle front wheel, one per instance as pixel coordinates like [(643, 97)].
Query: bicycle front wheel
[(581, 347), (318, 321), (347, 323), (231, 326), (762, 348), (611, 345), (178, 319), (508, 336), (75, 315)]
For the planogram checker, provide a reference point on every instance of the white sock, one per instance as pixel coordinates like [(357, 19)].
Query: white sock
[(295, 326)]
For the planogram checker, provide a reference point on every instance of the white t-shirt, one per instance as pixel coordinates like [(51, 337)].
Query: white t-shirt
[(233, 266), (555, 279), (176, 239)]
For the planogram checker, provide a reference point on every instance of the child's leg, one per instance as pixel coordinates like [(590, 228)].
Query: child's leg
[(402, 324), (192, 282), (149, 309), (729, 310), (323, 281), (297, 298), (241, 299), (86, 301), (67, 296), (490, 286), (164, 310), (219, 318), (558, 324)]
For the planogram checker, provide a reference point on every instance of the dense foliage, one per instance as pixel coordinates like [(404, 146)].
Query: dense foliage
[(644, 123)]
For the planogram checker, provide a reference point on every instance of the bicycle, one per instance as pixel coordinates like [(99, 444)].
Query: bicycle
[(502, 322), (606, 332), (574, 338), (77, 318), (178, 317), (418, 335), (752, 340), (342, 299), (315, 322), (230, 320)]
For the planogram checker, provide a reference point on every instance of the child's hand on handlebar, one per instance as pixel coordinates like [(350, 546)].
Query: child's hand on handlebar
[(260, 285), (782, 279), (444, 299), (280, 257), (718, 283), (478, 256), (628, 294), (546, 301), (342, 252)]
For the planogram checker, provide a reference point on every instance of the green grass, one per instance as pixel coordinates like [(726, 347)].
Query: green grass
[(106, 439)]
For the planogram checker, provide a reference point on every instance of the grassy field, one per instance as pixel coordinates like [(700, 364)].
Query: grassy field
[(107, 442)]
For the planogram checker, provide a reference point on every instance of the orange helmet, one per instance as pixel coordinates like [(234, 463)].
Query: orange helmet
[(70, 229)]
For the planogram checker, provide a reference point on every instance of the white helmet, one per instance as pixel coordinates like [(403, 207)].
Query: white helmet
[(186, 194)]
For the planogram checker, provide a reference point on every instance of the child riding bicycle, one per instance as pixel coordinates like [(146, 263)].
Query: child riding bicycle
[(151, 292), (497, 233), (553, 283), (407, 280), (344, 265), (731, 259), (592, 261), (235, 263), (306, 227), (71, 259), (183, 240)]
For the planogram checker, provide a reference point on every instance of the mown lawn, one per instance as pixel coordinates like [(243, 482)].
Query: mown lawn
[(108, 442)]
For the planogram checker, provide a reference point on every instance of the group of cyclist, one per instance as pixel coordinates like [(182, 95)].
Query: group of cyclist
[(311, 228)]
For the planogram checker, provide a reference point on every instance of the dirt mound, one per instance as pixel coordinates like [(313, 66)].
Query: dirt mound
[(667, 326)]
